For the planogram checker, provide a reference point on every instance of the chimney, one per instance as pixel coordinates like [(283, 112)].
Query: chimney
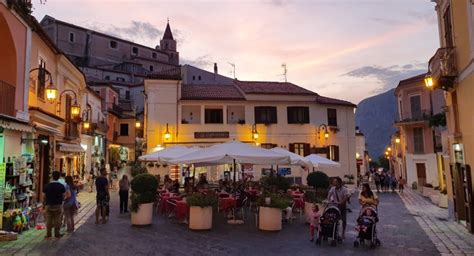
[(215, 68)]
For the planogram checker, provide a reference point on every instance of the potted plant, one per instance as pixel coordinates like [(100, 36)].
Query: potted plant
[(139, 169), (270, 211), (428, 190), (319, 181), (143, 195), (200, 210), (443, 198)]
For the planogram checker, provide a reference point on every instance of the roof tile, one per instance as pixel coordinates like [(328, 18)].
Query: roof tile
[(264, 87)]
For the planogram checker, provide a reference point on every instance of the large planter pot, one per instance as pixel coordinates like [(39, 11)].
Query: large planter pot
[(308, 210), (427, 192), (269, 219), (200, 218), (144, 215), (443, 201)]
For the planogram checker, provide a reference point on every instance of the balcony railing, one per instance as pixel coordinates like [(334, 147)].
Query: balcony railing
[(7, 103), (413, 117), (442, 67)]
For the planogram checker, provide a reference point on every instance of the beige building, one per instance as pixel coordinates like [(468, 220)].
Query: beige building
[(362, 155), (418, 156), (452, 69), (270, 114)]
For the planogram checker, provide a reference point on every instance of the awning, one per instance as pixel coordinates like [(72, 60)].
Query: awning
[(12, 124), (46, 128), (68, 147)]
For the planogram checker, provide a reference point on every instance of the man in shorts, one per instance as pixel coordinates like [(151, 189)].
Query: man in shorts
[(102, 197), (339, 195)]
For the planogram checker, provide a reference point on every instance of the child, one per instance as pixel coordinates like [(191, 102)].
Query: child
[(365, 220), (314, 221)]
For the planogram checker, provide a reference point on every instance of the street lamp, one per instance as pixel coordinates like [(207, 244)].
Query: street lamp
[(138, 124), (167, 133), (254, 132), (326, 131), (389, 149), (86, 117), (50, 91), (429, 83), (397, 140)]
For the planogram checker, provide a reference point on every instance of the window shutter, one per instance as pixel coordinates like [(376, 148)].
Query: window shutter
[(307, 149), (292, 147), (334, 153)]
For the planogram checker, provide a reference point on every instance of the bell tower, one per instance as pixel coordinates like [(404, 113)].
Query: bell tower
[(168, 45)]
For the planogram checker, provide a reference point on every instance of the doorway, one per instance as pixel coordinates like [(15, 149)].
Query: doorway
[(421, 174)]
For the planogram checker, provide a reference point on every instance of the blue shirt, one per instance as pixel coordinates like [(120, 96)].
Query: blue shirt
[(71, 200)]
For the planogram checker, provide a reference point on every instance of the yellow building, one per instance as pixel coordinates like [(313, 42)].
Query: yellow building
[(452, 69), (194, 107)]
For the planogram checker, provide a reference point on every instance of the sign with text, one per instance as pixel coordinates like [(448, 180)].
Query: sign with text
[(211, 135), (3, 168)]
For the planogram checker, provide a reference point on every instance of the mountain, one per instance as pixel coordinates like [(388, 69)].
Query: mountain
[(375, 116)]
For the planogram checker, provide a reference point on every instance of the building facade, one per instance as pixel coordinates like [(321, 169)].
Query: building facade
[(269, 114), (452, 69), (419, 153)]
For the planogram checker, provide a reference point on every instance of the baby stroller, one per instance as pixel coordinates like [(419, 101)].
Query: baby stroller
[(329, 223), (367, 227)]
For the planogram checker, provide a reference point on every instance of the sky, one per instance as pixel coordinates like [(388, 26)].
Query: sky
[(346, 49)]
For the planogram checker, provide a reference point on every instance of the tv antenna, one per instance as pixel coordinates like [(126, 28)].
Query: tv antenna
[(285, 71), (233, 68)]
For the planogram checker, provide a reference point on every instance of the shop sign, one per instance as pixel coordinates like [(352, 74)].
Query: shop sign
[(211, 135), (3, 168)]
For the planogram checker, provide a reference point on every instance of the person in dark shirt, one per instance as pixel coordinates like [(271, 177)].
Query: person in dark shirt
[(102, 198), (54, 196)]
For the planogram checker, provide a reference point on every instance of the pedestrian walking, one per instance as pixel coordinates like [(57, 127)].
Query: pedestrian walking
[(339, 195), (377, 181), (393, 182), (102, 197), (314, 222), (401, 184), (124, 186), (70, 204), (54, 196)]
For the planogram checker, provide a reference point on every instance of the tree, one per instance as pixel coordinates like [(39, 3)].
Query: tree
[(383, 162)]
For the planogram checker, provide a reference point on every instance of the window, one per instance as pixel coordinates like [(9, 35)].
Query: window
[(41, 79), (135, 50), (127, 95), (123, 129), (448, 28), (120, 79), (194, 78), (107, 78), (298, 115), (418, 144), (113, 44), (214, 116), (153, 55), (415, 105), (332, 117), (334, 153), (302, 149), (265, 115), (199, 78), (71, 37), (151, 68)]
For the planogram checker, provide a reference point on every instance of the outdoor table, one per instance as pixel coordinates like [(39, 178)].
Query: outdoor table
[(182, 210), (227, 203), (164, 203)]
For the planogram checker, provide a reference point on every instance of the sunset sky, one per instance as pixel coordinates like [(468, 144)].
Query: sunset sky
[(348, 49)]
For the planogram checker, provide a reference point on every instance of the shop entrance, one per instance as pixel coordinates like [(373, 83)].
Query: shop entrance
[(44, 162), (462, 195)]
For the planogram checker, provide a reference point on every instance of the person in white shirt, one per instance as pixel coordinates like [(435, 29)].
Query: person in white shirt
[(339, 195)]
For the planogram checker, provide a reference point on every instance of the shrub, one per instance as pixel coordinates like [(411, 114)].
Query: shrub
[(202, 199), (276, 200), (316, 195), (318, 180), (275, 181), (144, 188)]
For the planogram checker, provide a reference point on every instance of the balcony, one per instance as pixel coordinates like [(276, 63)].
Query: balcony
[(422, 116), (7, 104), (442, 67)]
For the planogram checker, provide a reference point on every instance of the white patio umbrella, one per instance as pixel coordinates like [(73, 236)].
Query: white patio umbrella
[(319, 161), (166, 154), (295, 159), (230, 152)]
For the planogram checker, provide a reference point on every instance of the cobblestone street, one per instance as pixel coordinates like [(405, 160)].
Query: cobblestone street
[(398, 229)]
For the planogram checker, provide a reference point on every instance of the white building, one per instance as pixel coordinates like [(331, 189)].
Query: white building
[(282, 114)]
